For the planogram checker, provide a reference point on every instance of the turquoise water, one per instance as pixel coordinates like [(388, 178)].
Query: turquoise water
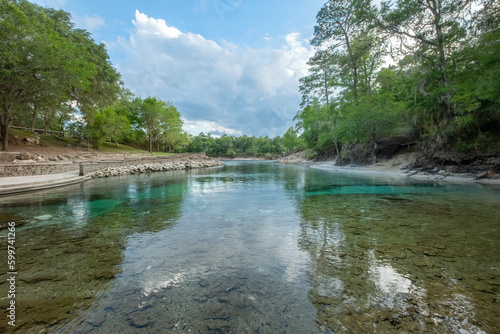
[(255, 247)]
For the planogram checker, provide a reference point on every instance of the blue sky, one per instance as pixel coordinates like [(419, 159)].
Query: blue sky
[(229, 66)]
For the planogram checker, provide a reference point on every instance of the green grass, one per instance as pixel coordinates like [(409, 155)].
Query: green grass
[(51, 140), (21, 133), (108, 147), (162, 153), (111, 148)]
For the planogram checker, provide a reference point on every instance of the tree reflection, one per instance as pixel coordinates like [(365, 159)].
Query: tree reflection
[(388, 263), (67, 260)]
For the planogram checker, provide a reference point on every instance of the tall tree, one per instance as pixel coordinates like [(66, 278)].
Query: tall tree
[(339, 22), (105, 86), (44, 61), (291, 140), (430, 29), (160, 119), (321, 79), (107, 123)]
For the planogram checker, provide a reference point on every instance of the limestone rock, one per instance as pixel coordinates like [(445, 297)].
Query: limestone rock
[(139, 319), (23, 156)]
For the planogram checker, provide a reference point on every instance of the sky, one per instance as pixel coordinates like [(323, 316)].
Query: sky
[(228, 66)]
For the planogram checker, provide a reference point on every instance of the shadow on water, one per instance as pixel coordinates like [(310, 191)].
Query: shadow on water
[(70, 243), (401, 257)]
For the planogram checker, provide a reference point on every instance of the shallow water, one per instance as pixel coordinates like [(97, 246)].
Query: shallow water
[(255, 247)]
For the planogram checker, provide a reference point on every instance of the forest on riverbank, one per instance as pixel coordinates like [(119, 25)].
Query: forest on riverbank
[(422, 74), (396, 76), (55, 77)]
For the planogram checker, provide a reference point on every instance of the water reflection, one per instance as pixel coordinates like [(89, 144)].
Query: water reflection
[(393, 258), (231, 264), (70, 244), (258, 248)]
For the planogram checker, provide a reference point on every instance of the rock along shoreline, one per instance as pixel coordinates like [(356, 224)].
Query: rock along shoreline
[(140, 168), (397, 167)]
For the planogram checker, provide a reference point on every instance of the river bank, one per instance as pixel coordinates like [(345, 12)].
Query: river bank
[(187, 162), (399, 166), (29, 175)]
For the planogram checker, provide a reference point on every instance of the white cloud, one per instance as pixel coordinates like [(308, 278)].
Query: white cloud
[(223, 87), (148, 25), (195, 127)]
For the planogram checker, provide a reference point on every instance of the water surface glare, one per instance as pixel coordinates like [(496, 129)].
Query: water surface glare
[(255, 247)]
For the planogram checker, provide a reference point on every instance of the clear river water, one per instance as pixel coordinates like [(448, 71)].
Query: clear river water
[(254, 247)]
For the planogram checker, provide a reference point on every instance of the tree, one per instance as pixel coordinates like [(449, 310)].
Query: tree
[(431, 30), (374, 118), (46, 63), (476, 97), (105, 86), (161, 120), (291, 140), (39, 64), (339, 22), (107, 123), (309, 120), (172, 133), (320, 81)]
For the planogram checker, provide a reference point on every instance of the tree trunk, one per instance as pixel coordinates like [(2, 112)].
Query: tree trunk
[(116, 143), (150, 142), (336, 147), (374, 150), (5, 135), (5, 122), (435, 8), (326, 89), (354, 67), (33, 121), (448, 112)]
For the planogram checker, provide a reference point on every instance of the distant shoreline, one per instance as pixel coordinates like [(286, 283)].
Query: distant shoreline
[(394, 168)]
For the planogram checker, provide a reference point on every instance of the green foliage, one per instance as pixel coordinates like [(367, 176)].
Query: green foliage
[(310, 154), (445, 85), (232, 146), (320, 81), (374, 118), (47, 64), (107, 123), (162, 123), (291, 140), (111, 148)]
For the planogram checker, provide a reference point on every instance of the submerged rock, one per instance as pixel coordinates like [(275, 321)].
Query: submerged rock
[(139, 319), (218, 326), (97, 320), (217, 313)]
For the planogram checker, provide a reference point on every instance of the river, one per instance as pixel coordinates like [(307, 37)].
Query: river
[(254, 247)]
